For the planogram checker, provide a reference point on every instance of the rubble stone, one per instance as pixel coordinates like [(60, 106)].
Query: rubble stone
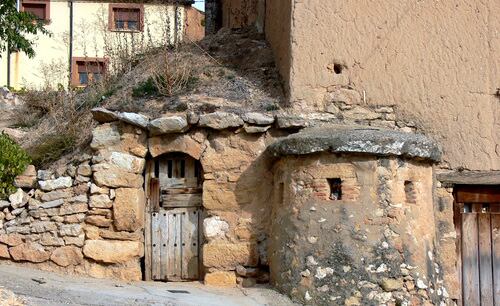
[(220, 120), (128, 209), (166, 125), (112, 251), (66, 256), (220, 279), (117, 178), (59, 183), (32, 252)]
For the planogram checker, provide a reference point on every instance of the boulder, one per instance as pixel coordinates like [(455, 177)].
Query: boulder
[(100, 201), (22, 181), (214, 227), (167, 125), (127, 162), (103, 115), (45, 175), (118, 178), (134, 119), (221, 279), (288, 122), (105, 136), (220, 120), (73, 230), (99, 221), (4, 251), (32, 252), (227, 255), (52, 204), (56, 195), (18, 199), (4, 204), (67, 256), (112, 251), (128, 209), (258, 118), (59, 183), (252, 129), (11, 239)]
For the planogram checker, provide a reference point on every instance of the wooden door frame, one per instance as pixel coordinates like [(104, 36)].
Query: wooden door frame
[(469, 194), (150, 205)]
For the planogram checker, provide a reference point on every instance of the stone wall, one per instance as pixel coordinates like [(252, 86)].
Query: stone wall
[(263, 216), (374, 245)]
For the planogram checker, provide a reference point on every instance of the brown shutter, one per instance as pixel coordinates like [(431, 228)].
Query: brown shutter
[(125, 14), (93, 67), (36, 9)]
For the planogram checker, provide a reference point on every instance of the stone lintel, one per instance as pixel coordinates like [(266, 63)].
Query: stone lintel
[(353, 139)]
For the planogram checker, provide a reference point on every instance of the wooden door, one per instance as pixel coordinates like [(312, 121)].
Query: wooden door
[(174, 244), (478, 210)]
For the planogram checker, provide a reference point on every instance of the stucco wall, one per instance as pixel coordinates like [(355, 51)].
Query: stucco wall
[(437, 61), (277, 27), (91, 39)]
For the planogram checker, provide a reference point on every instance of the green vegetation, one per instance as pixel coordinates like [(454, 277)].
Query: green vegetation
[(144, 89), (51, 147), (16, 26), (13, 161)]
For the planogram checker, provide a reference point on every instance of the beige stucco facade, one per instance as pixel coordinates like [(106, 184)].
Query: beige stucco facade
[(91, 38), (438, 62)]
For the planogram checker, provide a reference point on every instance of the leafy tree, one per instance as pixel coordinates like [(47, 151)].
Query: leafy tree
[(16, 26)]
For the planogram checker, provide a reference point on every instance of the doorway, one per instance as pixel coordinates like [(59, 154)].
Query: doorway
[(173, 231), (477, 219)]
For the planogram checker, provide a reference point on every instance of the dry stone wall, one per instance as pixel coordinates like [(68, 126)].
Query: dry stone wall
[(267, 216)]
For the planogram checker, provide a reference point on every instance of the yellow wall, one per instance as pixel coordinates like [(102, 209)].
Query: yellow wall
[(91, 38)]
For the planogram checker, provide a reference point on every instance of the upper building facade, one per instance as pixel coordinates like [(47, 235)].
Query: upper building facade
[(438, 62), (90, 38)]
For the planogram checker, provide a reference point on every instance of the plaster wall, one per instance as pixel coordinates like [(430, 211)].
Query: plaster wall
[(438, 62), (349, 250), (92, 38), (277, 28)]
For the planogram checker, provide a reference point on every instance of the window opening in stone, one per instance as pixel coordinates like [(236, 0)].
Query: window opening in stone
[(196, 169), (169, 168), (335, 189), (157, 168), (410, 192), (183, 168), (337, 68)]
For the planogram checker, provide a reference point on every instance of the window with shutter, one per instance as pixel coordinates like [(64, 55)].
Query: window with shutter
[(126, 17), (38, 8), (86, 70)]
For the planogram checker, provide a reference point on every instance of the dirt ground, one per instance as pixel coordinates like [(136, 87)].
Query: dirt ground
[(34, 287)]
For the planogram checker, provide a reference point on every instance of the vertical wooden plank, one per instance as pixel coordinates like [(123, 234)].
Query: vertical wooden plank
[(470, 260), (154, 195), (163, 243), (190, 244), (156, 237), (177, 168), (495, 239), (485, 259), (178, 244), (147, 246), (190, 171), (174, 258)]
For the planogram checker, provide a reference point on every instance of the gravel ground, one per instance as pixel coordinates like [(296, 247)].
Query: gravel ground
[(36, 287)]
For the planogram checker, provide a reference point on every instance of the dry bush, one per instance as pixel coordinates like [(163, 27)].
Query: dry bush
[(174, 74)]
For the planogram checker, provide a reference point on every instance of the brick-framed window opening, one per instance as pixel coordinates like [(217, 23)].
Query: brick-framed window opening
[(126, 17), (85, 71), (39, 8)]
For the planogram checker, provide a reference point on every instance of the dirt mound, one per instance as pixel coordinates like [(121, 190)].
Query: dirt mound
[(232, 71)]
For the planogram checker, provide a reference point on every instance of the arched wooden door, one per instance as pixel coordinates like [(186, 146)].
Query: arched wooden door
[(173, 219)]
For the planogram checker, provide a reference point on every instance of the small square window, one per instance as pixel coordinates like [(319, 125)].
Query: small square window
[(335, 185), (410, 192)]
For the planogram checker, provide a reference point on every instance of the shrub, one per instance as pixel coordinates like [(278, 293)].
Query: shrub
[(51, 147), (13, 161)]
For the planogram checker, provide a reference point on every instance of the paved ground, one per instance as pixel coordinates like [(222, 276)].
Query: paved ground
[(50, 289)]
